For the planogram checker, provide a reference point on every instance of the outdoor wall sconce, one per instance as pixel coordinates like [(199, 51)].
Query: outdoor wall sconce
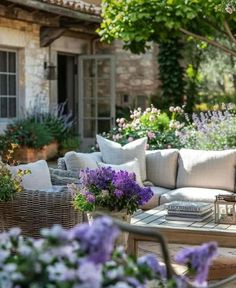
[(225, 209), (50, 71)]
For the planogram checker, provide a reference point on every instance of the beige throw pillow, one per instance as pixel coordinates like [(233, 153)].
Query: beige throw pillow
[(131, 167), (77, 161), (114, 153)]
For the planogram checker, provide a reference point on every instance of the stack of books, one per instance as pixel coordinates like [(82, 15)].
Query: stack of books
[(188, 211)]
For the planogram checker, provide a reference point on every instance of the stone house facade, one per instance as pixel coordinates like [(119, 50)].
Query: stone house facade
[(50, 53)]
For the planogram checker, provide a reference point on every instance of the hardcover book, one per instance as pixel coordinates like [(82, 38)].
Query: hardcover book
[(187, 206)]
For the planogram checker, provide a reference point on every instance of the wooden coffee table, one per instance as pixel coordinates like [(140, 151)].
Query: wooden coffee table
[(185, 232)]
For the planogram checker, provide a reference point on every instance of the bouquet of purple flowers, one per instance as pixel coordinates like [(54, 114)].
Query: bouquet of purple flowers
[(106, 188)]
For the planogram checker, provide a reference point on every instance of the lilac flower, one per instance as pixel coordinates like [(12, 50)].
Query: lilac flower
[(90, 274), (97, 240), (198, 259), (151, 261)]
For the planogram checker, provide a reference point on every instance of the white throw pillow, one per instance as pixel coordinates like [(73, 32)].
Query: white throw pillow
[(114, 153), (77, 161), (39, 179), (131, 167)]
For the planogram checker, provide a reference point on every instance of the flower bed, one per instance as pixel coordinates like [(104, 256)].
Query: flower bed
[(84, 257)]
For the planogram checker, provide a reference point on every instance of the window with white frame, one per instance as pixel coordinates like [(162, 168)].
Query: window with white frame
[(8, 84)]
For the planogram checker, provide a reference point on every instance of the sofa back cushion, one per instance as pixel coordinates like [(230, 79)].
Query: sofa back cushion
[(77, 161), (114, 153), (208, 169), (162, 167)]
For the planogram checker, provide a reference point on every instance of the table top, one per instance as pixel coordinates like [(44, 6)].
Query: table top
[(188, 232)]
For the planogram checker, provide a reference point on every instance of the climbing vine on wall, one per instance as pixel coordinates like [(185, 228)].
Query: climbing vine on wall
[(171, 72)]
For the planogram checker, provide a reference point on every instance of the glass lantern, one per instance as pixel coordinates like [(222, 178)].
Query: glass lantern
[(225, 209)]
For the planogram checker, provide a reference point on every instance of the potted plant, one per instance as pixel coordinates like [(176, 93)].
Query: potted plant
[(106, 191), (31, 137)]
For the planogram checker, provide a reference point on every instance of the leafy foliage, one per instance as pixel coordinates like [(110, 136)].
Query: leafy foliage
[(59, 124), (171, 71), (27, 133), (10, 184), (138, 23)]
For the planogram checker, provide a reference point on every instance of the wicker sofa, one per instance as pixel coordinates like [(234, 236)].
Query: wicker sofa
[(33, 210), (185, 174)]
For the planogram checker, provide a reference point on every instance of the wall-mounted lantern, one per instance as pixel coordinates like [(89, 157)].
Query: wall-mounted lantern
[(50, 71)]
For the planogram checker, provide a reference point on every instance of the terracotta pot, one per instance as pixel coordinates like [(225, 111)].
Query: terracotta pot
[(51, 150), (26, 155), (120, 215)]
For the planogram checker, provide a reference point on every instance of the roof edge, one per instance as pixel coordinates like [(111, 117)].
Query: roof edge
[(56, 9)]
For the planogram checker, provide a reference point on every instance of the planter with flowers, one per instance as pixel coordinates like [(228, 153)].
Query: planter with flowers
[(106, 191)]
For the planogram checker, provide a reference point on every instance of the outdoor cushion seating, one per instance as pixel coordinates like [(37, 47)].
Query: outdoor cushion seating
[(185, 174), (37, 208)]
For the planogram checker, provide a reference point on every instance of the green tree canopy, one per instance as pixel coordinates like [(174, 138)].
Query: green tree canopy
[(139, 22)]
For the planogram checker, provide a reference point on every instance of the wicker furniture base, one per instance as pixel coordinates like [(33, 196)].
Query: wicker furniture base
[(34, 210)]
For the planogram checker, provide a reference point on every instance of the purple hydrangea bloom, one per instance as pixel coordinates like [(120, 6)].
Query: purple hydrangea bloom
[(90, 198), (198, 259), (97, 240), (120, 190), (118, 193)]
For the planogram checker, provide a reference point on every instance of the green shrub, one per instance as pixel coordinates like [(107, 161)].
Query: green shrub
[(27, 133)]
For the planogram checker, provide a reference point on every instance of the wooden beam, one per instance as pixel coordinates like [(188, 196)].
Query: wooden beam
[(20, 14), (58, 10), (50, 34)]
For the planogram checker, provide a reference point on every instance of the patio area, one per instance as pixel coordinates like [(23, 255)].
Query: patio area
[(117, 144)]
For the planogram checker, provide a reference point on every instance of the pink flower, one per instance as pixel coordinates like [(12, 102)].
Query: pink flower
[(130, 139), (150, 135)]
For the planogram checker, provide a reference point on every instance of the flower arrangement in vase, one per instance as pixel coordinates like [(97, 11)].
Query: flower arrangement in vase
[(109, 191)]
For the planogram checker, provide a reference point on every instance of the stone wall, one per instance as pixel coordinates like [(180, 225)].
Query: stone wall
[(24, 38), (136, 75)]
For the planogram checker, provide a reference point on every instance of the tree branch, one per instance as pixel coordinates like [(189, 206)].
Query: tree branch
[(211, 42), (229, 32)]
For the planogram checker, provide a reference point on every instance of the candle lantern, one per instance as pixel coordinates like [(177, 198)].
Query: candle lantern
[(225, 209)]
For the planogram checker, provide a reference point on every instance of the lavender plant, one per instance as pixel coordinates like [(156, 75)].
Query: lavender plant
[(212, 130), (84, 257), (106, 188)]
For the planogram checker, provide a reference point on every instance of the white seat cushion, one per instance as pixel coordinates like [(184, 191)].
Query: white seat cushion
[(162, 167), (207, 169), (131, 167), (77, 161), (195, 194), (155, 200), (39, 179), (114, 153)]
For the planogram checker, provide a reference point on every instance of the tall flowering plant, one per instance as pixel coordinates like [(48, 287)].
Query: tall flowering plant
[(106, 188)]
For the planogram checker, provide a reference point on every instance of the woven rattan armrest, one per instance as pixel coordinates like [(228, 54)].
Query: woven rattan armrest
[(34, 210)]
